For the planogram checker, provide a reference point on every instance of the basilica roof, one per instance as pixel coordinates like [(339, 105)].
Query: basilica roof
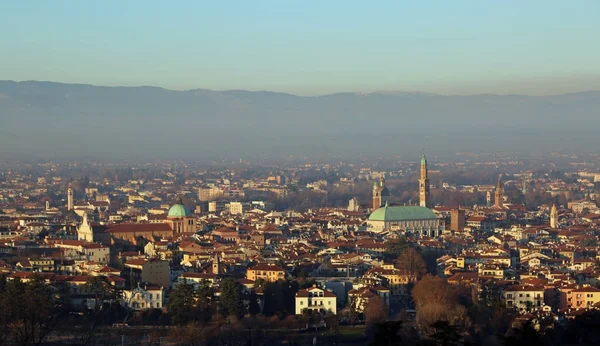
[(401, 213)]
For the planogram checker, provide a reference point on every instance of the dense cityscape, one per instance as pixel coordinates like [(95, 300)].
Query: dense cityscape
[(477, 249), (299, 173)]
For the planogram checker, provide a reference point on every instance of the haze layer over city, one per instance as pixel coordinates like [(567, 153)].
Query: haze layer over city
[(299, 173)]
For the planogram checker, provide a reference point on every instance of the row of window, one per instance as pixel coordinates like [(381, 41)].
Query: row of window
[(311, 303), (527, 295)]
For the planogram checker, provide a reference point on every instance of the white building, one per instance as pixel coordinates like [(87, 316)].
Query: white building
[(85, 231), (92, 251), (523, 297), (316, 299), (235, 208), (145, 296)]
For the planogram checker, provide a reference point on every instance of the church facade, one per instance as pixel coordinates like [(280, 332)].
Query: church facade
[(179, 220)]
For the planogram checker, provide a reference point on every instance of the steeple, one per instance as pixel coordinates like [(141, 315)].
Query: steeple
[(499, 195), (424, 183), (554, 217), (70, 197), (381, 194), (216, 265), (85, 220)]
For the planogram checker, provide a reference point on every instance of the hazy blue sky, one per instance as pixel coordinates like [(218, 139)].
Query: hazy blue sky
[(307, 47)]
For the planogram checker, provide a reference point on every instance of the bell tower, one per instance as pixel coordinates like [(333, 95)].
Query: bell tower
[(554, 217), (216, 266), (376, 195), (424, 184), (70, 197), (381, 195), (499, 195)]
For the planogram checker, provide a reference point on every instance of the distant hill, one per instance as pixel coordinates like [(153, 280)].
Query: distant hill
[(43, 118)]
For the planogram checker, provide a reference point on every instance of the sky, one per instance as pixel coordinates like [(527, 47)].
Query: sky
[(536, 47)]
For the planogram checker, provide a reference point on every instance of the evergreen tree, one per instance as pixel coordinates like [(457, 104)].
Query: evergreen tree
[(231, 298), (181, 304)]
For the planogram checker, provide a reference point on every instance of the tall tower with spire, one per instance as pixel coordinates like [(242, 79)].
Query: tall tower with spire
[(381, 195), (554, 217), (499, 195), (424, 184), (216, 265), (70, 197)]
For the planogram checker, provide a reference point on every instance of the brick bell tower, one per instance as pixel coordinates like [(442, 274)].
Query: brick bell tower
[(424, 184)]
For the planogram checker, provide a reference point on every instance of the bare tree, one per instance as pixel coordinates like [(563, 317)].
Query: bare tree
[(436, 301), (433, 289), (412, 263), (376, 311), (32, 311)]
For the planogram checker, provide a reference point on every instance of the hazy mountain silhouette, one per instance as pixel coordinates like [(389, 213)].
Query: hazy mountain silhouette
[(45, 118)]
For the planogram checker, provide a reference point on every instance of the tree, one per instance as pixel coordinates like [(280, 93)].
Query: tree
[(31, 310), (231, 298), (4, 312), (333, 323), (412, 263), (524, 336), (435, 301), (432, 289), (181, 304), (376, 311), (279, 297), (193, 334), (396, 247), (445, 333), (101, 290), (253, 306), (387, 333)]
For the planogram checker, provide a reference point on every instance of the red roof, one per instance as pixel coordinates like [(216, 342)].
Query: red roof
[(138, 227), (266, 267), (136, 262), (305, 293)]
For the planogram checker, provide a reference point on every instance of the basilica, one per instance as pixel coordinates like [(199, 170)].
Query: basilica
[(179, 220), (417, 220)]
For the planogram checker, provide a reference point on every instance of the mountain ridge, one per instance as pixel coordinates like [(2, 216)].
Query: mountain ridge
[(88, 120), (376, 92)]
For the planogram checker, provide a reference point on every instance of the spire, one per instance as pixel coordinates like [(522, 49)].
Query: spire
[(499, 194), (424, 183)]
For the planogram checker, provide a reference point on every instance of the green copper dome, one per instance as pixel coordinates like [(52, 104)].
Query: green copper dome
[(179, 210), (401, 213), (423, 160)]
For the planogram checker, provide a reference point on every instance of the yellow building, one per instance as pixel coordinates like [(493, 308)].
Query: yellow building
[(268, 272)]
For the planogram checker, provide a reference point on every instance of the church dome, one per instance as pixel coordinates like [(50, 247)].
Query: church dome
[(401, 213), (179, 210)]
